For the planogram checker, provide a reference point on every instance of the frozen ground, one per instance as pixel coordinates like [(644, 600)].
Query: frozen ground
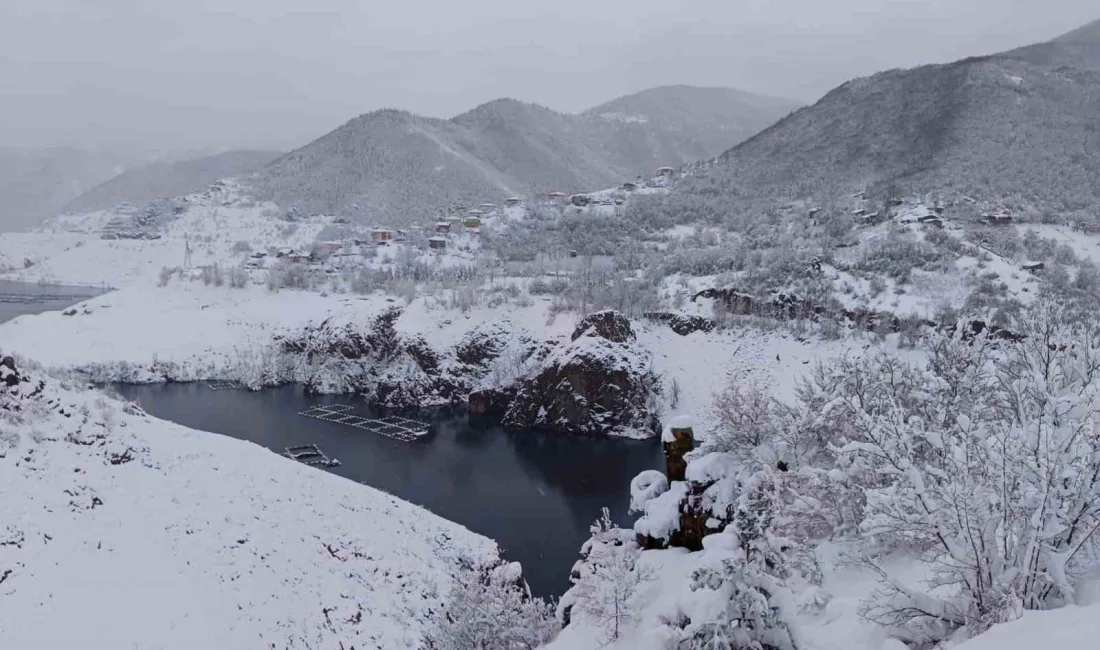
[(118, 530)]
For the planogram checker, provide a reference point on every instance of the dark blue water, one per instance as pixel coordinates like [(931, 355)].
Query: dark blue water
[(19, 298), (535, 494)]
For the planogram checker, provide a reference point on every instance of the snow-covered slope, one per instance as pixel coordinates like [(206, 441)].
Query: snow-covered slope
[(1067, 628), (118, 530), (1015, 128)]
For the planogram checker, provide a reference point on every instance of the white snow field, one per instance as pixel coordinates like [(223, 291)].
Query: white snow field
[(118, 530)]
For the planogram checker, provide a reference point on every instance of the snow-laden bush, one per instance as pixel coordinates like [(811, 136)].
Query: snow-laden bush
[(744, 420), (984, 461)]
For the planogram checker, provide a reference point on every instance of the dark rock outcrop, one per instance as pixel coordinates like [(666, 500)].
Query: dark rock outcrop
[(682, 324), (608, 324), (599, 383), (9, 375)]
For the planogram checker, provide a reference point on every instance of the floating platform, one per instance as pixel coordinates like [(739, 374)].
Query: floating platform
[(222, 385), (391, 426), (310, 455)]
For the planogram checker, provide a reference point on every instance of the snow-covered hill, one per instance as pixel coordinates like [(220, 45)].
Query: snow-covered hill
[(120, 530)]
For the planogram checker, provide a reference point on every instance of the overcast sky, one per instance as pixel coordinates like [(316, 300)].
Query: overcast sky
[(163, 74)]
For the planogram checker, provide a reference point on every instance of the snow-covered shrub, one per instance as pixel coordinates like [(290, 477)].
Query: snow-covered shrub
[(165, 275), (212, 275), (902, 252), (486, 611), (283, 275), (238, 277)]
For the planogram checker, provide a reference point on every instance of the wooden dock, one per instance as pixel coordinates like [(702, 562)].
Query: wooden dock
[(310, 455), (391, 426)]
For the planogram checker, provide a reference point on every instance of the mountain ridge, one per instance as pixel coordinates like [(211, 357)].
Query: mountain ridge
[(164, 179), (392, 165), (1019, 128)]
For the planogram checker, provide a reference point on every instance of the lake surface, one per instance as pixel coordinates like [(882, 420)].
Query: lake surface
[(19, 298), (536, 494)]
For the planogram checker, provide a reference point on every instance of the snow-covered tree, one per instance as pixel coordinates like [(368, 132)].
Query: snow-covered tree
[(493, 610), (609, 577), (758, 606)]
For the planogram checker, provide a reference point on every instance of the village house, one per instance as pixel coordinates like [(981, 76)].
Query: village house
[(997, 219), (556, 196), (443, 226), (487, 207), (381, 235), (512, 201), (665, 171), (323, 250), (1033, 268), (931, 220), (629, 187), (437, 243), (580, 200), (472, 222)]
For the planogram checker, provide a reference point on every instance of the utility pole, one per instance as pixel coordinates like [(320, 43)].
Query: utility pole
[(187, 252)]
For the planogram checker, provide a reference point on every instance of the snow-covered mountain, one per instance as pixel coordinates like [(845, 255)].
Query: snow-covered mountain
[(394, 166), (167, 179), (1019, 129)]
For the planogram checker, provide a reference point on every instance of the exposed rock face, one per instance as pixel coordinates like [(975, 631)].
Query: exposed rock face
[(389, 370), (490, 402), (599, 383), (394, 370), (700, 503), (785, 306)]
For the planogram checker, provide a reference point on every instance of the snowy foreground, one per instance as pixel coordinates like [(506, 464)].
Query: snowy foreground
[(118, 530)]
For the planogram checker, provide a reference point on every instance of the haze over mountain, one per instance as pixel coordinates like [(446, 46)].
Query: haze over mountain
[(36, 181), (1020, 129), (164, 179), (394, 166)]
